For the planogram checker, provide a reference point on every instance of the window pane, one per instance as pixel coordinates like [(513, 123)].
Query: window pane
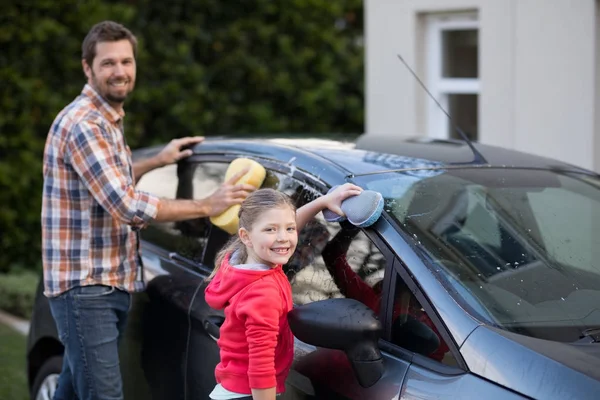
[(288, 185), (460, 53), (463, 110), (413, 330)]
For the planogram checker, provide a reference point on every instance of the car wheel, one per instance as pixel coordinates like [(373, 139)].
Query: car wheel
[(46, 380)]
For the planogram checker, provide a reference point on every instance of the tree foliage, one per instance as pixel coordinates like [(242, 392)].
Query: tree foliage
[(208, 67)]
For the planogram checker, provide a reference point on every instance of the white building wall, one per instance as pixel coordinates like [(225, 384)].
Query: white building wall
[(537, 66), (554, 80), (597, 92)]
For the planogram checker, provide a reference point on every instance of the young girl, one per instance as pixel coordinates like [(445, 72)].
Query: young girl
[(256, 343)]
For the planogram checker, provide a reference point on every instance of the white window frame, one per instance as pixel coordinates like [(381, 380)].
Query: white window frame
[(438, 125)]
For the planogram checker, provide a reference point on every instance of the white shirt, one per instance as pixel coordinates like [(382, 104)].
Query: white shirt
[(220, 393)]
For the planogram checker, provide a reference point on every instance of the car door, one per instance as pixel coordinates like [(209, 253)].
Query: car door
[(311, 279), (339, 260)]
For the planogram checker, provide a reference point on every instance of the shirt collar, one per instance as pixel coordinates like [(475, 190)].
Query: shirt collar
[(105, 109)]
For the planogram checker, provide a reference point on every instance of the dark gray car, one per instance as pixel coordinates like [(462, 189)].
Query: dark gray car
[(479, 280)]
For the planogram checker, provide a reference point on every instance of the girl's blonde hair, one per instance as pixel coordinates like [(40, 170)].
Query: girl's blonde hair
[(253, 206)]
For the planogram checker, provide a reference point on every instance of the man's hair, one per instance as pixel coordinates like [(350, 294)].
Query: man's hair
[(105, 31)]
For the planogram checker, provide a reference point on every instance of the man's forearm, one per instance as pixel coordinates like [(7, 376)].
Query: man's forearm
[(146, 165), (180, 210)]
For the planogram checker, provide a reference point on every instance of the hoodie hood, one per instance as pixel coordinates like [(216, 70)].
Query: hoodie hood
[(231, 280)]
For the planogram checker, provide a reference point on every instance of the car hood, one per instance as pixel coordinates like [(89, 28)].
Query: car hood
[(537, 368)]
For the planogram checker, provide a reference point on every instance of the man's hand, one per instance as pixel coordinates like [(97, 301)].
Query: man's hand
[(229, 194), (169, 155), (173, 152)]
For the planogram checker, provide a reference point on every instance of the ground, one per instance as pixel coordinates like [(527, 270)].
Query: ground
[(13, 381)]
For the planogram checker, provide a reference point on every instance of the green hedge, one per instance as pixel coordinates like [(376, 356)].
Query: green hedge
[(209, 67), (17, 292)]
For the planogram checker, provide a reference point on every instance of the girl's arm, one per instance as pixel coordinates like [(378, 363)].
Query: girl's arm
[(332, 200), (264, 394)]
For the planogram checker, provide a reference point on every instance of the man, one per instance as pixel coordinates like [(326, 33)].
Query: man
[(92, 213)]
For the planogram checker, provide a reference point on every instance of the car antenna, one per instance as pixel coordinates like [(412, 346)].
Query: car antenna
[(479, 158)]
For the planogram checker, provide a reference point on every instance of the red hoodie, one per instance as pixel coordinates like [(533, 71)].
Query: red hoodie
[(256, 343)]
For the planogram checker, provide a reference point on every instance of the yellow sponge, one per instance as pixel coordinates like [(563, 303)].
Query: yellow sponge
[(228, 220)]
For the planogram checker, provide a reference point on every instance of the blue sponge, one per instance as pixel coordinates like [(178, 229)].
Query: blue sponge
[(362, 210)]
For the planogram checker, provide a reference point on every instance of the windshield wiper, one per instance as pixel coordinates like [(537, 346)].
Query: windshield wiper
[(591, 335)]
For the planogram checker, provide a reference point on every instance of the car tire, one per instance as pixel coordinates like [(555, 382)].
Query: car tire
[(46, 379)]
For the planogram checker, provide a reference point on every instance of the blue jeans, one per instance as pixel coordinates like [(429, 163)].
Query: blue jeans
[(90, 322)]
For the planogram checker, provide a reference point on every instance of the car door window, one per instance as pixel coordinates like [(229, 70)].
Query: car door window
[(205, 179), (413, 329)]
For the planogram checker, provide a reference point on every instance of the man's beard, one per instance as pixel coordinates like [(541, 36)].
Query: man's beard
[(107, 95), (115, 99)]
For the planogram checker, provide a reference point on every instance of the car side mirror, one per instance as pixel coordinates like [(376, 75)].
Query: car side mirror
[(342, 324)]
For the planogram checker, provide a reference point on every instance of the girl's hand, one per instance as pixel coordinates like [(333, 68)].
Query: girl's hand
[(264, 394), (333, 200)]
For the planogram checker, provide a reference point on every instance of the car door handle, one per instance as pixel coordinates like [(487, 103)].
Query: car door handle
[(212, 326)]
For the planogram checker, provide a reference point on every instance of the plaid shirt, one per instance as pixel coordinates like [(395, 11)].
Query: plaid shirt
[(90, 209)]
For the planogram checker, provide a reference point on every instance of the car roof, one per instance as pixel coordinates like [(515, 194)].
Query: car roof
[(372, 154)]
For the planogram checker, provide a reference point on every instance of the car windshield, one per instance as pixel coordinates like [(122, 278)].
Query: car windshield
[(519, 247)]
